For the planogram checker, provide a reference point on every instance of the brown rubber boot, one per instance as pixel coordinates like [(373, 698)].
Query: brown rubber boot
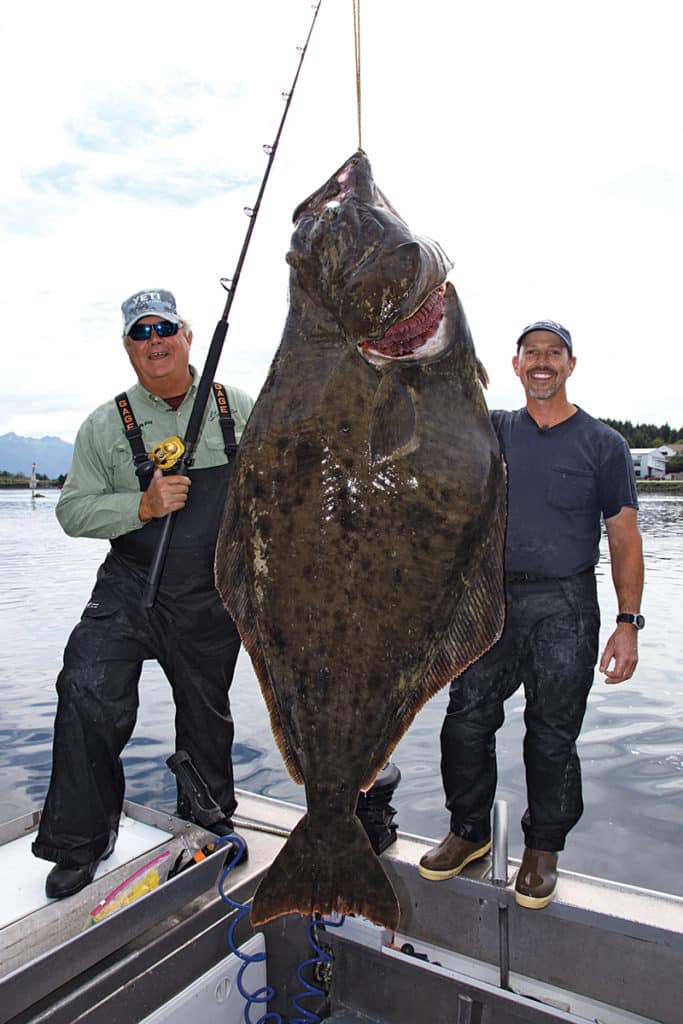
[(536, 879), (449, 858)]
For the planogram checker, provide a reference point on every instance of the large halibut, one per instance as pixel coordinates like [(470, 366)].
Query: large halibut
[(361, 549)]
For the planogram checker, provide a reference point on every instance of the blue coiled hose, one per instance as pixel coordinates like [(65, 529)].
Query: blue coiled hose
[(267, 992)]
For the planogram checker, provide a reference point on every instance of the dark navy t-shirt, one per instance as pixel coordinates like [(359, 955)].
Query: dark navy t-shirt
[(561, 480)]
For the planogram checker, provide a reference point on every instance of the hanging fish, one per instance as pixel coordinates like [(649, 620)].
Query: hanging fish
[(361, 547)]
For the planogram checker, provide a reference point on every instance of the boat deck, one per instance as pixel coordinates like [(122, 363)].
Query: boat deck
[(465, 953), (27, 892)]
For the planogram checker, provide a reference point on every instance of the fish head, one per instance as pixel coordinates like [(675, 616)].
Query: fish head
[(355, 256)]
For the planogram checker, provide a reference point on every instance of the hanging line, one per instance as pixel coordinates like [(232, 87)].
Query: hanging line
[(356, 43)]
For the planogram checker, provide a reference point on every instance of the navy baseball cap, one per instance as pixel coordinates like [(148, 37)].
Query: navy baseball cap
[(154, 301), (548, 325)]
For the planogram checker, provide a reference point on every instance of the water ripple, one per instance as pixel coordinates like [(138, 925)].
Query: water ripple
[(631, 745)]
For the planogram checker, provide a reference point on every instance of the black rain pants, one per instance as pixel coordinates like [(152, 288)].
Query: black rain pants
[(196, 643), (550, 646)]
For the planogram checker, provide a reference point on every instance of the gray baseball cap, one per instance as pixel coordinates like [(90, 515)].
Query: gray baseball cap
[(553, 327), (154, 301)]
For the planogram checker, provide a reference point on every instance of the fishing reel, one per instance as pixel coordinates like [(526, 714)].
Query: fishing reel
[(166, 454), (163, 456)]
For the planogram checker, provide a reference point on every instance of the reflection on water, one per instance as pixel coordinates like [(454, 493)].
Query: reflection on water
[(631, 749)]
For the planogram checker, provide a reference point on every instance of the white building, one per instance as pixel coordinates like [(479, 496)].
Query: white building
[(671, 449), (649, 463)]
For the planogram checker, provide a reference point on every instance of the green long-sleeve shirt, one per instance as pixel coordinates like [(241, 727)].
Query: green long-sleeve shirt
[(101, 496)]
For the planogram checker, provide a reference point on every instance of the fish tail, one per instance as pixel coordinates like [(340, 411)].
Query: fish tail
[(327, 872)]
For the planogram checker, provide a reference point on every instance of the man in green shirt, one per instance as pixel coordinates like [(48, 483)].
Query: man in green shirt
[(113, 491)]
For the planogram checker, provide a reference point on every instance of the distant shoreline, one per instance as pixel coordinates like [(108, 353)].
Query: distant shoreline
[(643, 486), (660, 487), (14, 484)]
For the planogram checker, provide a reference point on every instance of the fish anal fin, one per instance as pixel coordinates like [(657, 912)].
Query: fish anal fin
[(231, 583), (393, 419), (229, 565), (292, 763), (326, 873)]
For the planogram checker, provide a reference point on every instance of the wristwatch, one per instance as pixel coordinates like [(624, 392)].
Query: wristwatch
[(636, 620)]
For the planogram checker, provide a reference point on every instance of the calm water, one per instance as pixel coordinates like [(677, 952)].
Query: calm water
[(631, 745)]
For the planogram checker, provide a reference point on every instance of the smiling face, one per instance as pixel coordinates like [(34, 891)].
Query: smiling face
[(543, 365), (162, 364)]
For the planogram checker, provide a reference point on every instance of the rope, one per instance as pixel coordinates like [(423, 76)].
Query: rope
[(356, 42)]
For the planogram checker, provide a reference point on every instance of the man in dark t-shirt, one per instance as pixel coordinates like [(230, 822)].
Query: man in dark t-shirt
[(566, 471)]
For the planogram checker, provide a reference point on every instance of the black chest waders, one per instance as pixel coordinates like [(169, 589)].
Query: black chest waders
[(145, 464), (191, 552)]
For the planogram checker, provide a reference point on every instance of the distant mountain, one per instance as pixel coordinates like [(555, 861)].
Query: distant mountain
[(51, 455)]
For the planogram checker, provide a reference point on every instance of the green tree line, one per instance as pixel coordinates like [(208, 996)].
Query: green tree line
[(646, 435), (8, 479)]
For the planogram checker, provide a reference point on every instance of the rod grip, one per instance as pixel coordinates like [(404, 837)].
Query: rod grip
[(157, 566)]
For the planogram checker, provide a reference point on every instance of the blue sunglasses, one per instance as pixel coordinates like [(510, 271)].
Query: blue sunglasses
[(143, 332)]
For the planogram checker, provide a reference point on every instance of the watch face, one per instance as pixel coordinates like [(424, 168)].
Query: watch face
[(637, 620)]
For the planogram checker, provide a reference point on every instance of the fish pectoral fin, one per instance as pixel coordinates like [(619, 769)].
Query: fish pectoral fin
[(319, 872), (393, 420)]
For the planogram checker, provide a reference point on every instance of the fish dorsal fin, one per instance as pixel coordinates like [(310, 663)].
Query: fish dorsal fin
[(475, 627), (479, 618), (392, 423)]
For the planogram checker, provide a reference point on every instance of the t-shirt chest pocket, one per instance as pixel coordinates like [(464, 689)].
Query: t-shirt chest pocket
[(571, 488)]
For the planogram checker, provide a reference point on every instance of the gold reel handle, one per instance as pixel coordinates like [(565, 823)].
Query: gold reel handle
[(167, 453)]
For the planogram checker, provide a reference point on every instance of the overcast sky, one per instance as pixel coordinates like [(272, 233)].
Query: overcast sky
[(541, 143)]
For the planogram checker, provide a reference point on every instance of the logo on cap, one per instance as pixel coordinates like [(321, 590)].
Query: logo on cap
[(152, 302)]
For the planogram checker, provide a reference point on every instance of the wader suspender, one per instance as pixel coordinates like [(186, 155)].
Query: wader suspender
[(226, 420), (134, 432), (134, 435)]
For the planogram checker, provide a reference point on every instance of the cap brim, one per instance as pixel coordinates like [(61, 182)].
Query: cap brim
[(550, 330), (173, 317)]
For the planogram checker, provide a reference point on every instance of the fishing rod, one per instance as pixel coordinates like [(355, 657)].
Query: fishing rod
[(216, 346)]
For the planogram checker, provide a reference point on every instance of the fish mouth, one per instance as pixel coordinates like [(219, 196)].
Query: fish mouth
[(420, 335)]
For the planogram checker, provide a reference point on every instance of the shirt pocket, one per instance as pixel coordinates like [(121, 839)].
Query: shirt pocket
[(122, 468), (572, 489), (214, 453), (215, 444)]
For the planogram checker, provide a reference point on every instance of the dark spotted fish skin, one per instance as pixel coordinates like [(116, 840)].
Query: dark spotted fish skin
[(361, 547)]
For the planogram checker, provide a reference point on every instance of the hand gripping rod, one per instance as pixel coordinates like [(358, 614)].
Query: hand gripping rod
[(216, 347)]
